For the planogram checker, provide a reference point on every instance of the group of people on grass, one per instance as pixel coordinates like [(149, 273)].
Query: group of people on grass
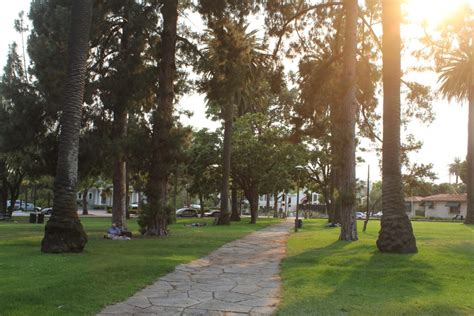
[(118, 233)]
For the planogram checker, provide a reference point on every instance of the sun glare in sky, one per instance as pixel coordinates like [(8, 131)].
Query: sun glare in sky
[(432, 12)]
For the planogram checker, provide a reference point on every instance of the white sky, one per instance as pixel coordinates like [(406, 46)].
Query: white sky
[(444, 139)]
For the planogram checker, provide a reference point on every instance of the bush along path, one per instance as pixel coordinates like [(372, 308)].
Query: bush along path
[(240, 278)]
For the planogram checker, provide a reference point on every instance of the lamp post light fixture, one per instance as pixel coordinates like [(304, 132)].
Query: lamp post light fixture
[(298, 169)]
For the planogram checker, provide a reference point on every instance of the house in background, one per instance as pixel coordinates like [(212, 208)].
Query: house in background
[(99, 197), (445, 205), (439, 205), (413, 206)]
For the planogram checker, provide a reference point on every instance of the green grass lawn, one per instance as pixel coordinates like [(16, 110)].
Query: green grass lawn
[(322, 276), (33, 283)]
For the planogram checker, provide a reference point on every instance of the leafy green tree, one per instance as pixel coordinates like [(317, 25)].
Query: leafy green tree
[(125, 79), (261, 152), (22, 132), (64, 232), (202, 164), (396, 234)]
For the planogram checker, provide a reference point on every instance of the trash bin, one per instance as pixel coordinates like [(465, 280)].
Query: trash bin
[(300, 223), (36, 218)]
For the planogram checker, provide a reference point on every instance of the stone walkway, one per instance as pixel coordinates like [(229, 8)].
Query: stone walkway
[(240, 278)]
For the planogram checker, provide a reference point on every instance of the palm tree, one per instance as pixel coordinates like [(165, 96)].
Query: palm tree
[(64, 232), (396, 234), (455, 168), (455, 63), (230, 67)]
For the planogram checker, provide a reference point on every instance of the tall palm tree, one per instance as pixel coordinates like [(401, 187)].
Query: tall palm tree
[(232, 58), (64, 232), (455, 61), (455, 168), (396, 234)]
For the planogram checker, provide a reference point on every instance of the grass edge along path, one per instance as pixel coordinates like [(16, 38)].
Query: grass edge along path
[(107, 271), (323, 276)]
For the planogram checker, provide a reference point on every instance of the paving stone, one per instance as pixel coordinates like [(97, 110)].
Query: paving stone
[(141, 301), (174, 302), (232, 297), (216, 305), (261, 302), (262, 311)]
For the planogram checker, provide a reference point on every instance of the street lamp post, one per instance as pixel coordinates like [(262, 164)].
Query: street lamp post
[(298, 169)]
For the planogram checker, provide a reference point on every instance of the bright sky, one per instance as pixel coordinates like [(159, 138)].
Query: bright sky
[(444, 139)]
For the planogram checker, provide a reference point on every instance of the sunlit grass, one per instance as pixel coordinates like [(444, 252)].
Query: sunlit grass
[(32, 283), (322, 276)]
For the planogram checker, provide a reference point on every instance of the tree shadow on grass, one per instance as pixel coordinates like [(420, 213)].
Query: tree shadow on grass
[(344, 278)]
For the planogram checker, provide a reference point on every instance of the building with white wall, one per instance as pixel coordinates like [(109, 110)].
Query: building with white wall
[(439, 205)]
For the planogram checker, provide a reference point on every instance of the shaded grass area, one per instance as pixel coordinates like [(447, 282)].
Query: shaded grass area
[(323, 276), (32, 283)]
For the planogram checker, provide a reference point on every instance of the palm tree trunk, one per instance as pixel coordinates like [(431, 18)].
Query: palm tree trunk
[(470, 155), (64, 232), (224, 218), (396, 234), (157, 189), (347, 123)]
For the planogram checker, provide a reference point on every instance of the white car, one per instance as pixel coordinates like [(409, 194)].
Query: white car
[(360, 215), (377, 215)]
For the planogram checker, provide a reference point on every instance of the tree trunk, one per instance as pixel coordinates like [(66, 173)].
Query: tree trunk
[(224, 218), (119, 203), (396, 234), (234, 216), (346, 119), (470, 155), (127, 193), (84, 202), (252, 196), (163, 124), (64, 232), (14, 192), (275, 205), (201, 204)]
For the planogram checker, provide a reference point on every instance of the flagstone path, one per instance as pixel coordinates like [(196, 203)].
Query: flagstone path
[(239, 278)]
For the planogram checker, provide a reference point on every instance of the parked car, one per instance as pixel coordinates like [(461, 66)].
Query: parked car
[(360, 215), (186, 212), (47, 210), (458, 216), (212, 213), (24, 207), (377, 215), (134, 206)]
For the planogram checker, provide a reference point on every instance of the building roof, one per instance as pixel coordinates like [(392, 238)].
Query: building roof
[(446, 198), (414, 199)]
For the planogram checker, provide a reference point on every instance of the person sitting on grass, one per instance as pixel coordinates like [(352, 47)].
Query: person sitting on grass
[(116, 232)]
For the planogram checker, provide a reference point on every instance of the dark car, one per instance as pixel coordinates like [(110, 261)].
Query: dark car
[(186, 212), (212, 213), (458, 216)]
